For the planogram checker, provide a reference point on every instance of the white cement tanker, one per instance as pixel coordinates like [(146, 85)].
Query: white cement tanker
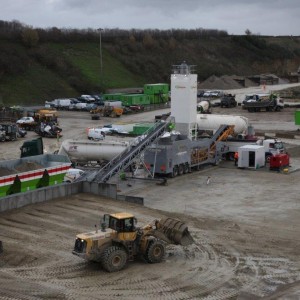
[(84, 152), (212, 122)]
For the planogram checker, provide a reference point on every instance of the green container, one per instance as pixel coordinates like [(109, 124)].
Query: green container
[(156, 88), (297, 117), (116, 96), (151, 99), (140, 129), (158, 98), (135, 99)]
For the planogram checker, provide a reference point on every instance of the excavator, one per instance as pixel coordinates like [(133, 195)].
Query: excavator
[(119, 240)]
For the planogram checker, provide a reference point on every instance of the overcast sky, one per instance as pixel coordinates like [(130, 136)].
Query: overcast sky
[(265, 17)]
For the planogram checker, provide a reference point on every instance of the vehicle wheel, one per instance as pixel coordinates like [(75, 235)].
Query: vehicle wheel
[(175, 171), (180, 169), (13, 138), (2, 139), (114, 259), (186, 168), (155, 252)]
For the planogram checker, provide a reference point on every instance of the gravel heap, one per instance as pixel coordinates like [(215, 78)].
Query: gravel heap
[(223, 83), (24, 167)]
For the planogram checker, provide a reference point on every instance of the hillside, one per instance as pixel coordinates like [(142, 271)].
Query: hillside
[(44, 65)]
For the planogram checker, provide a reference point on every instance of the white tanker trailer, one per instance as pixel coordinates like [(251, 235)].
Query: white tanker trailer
[(82, 152), (213, 122)]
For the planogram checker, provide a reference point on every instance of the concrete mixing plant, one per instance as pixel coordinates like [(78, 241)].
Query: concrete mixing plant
[(177, 154)]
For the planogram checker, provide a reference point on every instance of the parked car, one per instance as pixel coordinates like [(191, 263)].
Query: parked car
[(88, 98), (26, 120), (80, 106), (72, 174)]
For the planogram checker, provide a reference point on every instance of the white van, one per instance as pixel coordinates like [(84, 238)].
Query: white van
[(64, 104), (96, 134), (72, 174)]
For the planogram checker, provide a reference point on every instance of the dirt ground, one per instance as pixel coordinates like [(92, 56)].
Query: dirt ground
[(245, 225)]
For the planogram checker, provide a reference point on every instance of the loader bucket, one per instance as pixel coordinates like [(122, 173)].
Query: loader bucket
[(176, 231)]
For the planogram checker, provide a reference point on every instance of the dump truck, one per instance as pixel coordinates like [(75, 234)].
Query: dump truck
[(270, 103), (119, 240)]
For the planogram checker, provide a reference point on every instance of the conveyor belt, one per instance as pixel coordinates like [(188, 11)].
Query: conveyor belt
[(123, 160)]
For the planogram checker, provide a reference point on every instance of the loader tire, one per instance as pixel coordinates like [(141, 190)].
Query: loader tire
[(155, 252), (114, 259)]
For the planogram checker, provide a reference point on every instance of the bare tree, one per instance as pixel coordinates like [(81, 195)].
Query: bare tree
[(30, 37)]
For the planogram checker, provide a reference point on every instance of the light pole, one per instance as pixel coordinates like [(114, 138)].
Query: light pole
[(100, 46)]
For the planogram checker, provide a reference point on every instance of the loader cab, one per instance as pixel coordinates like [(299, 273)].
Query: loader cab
[(120, 222)]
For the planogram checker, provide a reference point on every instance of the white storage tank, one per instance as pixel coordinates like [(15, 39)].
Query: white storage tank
[(86, 151), (251, 156), (213, 122)]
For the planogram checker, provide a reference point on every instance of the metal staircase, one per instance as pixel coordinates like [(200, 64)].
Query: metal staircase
[(123, 160)]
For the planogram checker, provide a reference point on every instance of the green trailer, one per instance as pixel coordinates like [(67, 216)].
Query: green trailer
[(139, 129), (156, 88), (297, 117), (114, 96), (135, 99), (158, 98)]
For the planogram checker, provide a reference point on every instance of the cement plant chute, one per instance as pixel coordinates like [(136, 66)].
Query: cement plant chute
[(135, 149)]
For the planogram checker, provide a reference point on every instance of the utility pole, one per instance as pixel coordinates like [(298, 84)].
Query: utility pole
[(100, 47)]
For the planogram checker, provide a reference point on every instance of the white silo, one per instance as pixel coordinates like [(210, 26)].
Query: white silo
[(184, 99)]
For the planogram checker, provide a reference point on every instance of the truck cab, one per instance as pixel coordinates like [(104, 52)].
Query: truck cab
[(272, 147), (32, 147)]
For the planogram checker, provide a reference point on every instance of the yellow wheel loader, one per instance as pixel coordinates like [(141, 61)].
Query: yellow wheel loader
[(119, 240)]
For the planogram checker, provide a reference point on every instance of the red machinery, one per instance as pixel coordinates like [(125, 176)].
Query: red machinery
[(279, 161)]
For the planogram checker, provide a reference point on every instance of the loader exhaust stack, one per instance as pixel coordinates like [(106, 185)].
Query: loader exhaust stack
[(176, 231)]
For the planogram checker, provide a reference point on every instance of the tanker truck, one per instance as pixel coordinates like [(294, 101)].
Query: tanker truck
[(83, 152), (211, 122)]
